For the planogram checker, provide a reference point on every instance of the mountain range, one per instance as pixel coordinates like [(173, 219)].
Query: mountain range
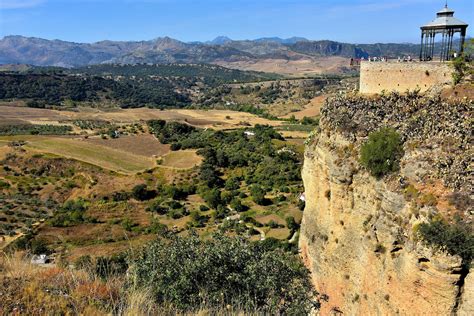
[(42, 52)]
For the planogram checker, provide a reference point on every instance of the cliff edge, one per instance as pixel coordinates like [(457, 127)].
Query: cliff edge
[(358, 234)]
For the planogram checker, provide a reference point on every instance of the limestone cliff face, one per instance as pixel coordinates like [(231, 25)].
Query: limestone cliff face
[(357, 236)]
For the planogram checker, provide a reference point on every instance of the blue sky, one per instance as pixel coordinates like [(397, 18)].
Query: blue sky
[(357, 21)]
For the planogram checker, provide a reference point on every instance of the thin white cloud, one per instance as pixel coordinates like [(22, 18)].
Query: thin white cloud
[(19, 4)]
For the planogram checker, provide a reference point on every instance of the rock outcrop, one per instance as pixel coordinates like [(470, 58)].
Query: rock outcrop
[(357, 235)]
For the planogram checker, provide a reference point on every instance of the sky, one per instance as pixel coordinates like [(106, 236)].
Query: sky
[(356, 21)]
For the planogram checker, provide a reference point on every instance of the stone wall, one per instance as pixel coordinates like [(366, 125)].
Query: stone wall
[(393, 76)]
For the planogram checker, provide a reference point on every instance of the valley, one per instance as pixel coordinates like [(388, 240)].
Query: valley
[(101, 155), (232, 177)]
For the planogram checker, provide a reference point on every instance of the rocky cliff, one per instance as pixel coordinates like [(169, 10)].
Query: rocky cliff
[(358, 233)]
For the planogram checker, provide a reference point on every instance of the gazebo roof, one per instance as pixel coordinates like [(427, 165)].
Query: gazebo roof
[(445, 19)]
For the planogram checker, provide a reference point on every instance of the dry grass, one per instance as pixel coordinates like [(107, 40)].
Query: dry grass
[(78, 149), (182, 159), (278, 233), (294, 134), (143, 145), (35, 290), (28, 289), (4, 150), (312, 109), (217, 119)]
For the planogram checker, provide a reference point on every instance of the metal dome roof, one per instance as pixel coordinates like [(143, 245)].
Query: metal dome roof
[(445, 11), (445, 19)]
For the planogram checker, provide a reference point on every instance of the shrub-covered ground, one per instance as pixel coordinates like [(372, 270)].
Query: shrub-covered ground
[(423, 121)]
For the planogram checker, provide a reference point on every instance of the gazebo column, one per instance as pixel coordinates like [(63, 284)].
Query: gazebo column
[(441, 54), (450, 46), (463, 38), (421, 46), (433, 34)]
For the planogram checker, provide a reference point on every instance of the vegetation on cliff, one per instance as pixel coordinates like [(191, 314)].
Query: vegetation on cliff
[(456, 238), (422, 121), (382, 152)]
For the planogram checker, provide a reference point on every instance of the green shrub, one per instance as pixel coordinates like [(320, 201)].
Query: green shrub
[(4, 185), (188, 273), (71, 213), (460, 68), (106, 267), (382, 152), (140, 192), (83, 262), (456, 238), (39, 246), (258, 195)]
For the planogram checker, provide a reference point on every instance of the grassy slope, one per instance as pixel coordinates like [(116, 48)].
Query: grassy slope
[(102, 156)]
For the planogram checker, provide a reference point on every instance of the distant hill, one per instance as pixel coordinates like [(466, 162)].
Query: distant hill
[(331, 48), (286, 41), (164, 50), (158, 86), (219, 40)]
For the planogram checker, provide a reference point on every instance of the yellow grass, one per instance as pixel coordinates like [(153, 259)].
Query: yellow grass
[(182, 159), (294, 134), (102, 156), (144, 145), (217, 119), (312, 109), (4, 150), (279, 233)]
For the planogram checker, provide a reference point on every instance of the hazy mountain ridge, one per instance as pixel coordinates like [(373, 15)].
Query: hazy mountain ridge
[(41, 52)]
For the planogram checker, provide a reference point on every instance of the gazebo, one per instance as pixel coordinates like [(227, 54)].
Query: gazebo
[(446, 25)]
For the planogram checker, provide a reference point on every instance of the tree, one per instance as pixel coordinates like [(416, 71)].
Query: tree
[(291, 223), (382, 152), (213, 198), (236, 205), (258, 195), (460, 68), (210, 175), (140, 192)]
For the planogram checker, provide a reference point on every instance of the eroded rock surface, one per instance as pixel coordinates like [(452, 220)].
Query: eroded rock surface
[(357, 235)]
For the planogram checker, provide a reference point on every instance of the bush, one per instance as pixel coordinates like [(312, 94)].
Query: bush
[(106, 267), (188, 273), (460, 68), (4, 185), (39, 246), (70, 214), (258, 195), (456, 238), (382, 152), (140, 192)]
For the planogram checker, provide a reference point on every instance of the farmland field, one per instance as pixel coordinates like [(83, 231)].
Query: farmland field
[(217, 119), (99, 155), (183, 159), (312, 109), (127, 185), (143, 145)]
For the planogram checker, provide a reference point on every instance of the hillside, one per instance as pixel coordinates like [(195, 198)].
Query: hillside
[(162, 86), (41, 52)]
